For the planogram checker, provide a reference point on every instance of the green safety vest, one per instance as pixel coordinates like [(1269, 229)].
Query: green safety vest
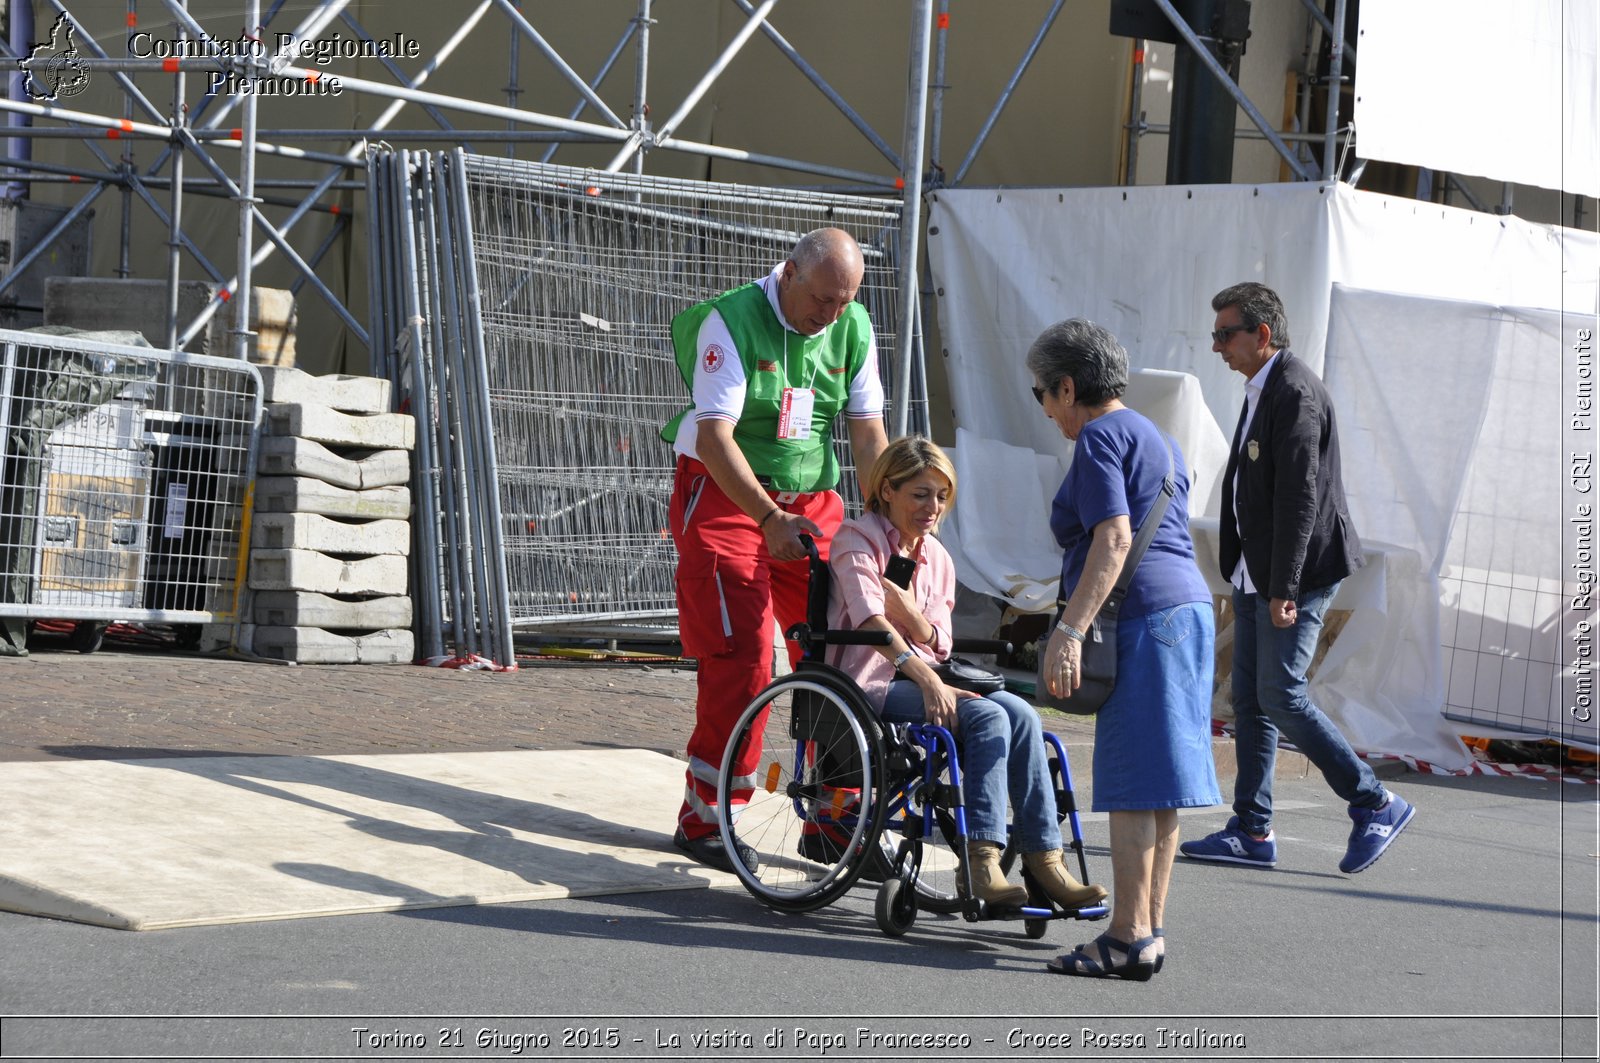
[(836, 354)]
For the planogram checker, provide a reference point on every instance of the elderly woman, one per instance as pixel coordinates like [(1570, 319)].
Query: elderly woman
[(908, 490), (1152, 750)]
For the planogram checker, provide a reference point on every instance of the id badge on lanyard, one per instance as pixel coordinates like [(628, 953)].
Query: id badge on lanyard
[(794, 413)]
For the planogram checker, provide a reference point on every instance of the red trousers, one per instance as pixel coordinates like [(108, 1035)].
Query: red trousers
[(729, 590)]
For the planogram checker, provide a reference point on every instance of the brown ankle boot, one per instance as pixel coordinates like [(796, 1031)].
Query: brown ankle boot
[(987, 881), (1058, 883)]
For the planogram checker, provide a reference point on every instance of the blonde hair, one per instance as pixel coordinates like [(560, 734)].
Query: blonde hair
[(903, 459)]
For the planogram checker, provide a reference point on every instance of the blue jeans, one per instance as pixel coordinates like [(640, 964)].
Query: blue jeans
[(1271, 695), (1002, 751)]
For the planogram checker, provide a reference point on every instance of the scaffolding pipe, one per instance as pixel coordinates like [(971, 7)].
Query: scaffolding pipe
[(936, 132), (1335, 83), (175, 228), (826, 89), (125, 231), (641, 78), (514, 81), (916, 125), (1005, 96), (1232, 87), (1136, 124), (551, 54), (710, 77), (1315, 7), (247, 207)]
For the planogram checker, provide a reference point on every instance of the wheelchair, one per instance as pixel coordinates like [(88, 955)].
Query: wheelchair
[(826, 794)]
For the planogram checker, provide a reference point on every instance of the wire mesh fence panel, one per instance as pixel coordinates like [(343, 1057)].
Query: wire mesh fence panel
[(580, 274), (124, 480)]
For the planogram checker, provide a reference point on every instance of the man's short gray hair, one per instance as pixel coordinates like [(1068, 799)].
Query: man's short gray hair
[(1084, 351), (825, 245)]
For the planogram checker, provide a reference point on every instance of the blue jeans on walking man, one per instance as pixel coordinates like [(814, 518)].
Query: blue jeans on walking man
[(1271, 695), (1002, 753)]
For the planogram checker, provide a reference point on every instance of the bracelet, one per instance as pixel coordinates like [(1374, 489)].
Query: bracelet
[(903, 658), (763, 522), (1070, 631)]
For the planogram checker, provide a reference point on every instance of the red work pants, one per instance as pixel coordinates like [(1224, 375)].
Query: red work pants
[(729, 590)]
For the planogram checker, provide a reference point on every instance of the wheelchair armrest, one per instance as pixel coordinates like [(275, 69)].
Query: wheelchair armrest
[(857, 638), (980, 646)]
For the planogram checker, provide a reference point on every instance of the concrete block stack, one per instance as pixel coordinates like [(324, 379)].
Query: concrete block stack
[(327, 568)]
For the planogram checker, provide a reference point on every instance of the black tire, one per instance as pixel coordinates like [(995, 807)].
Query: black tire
[(812, 815), (896, 907), (88, 635)]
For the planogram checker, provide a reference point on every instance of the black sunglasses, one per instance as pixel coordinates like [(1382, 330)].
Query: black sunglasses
[(1039, 393), (1221, 335)]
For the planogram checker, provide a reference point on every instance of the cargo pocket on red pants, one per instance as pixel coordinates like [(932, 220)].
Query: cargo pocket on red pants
[(703, 624)]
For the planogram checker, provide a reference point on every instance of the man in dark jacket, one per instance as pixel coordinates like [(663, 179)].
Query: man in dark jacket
[(1287, 542)]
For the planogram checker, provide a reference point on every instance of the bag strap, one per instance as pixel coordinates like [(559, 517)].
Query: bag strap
[(1147, 532)]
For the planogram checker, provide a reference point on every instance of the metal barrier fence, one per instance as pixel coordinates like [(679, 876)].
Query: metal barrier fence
[(575, 277), (124, 481)]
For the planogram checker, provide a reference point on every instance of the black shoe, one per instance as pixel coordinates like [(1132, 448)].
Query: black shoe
[(710, 851)]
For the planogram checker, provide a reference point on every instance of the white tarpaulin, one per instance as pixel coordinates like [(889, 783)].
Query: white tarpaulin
[(1145, 263), (1505, 91)]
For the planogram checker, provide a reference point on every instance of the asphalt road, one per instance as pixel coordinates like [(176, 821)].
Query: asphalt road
[(1473, 938)]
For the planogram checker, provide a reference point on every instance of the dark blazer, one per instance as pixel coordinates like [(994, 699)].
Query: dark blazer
[(1292, 524)]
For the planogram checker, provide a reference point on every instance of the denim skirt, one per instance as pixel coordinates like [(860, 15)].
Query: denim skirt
[(1152, 738)]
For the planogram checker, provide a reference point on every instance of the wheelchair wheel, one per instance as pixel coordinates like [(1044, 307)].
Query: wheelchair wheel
[(1035, 928), (937, 872), (896, 907), (798, 787)]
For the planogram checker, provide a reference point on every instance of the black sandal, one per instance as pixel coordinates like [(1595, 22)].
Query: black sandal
[(1080, 964)]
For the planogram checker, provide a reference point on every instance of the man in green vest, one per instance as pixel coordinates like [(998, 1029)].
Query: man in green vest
[(769, 365)]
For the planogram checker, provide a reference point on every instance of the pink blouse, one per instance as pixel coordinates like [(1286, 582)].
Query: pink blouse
[(861, 550)]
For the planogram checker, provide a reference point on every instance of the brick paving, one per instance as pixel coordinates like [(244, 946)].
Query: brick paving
[(133, 703)]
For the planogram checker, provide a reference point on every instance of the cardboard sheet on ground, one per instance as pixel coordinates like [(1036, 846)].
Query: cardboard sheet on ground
[(185, 841)]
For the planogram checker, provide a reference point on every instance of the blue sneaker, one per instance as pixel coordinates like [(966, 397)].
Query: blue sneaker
[(1230, 845), (1375, 829)]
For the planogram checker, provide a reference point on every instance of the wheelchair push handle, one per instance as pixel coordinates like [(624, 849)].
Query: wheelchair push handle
[(815, 632), (996, 646)]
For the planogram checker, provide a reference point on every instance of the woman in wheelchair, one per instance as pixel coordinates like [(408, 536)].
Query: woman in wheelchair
[(908, 490)]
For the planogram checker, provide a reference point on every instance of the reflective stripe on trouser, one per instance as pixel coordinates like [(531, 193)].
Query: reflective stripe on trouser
[(729, 590)]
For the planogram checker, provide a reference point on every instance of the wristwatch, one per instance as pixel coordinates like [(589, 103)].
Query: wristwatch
[(903, 658)]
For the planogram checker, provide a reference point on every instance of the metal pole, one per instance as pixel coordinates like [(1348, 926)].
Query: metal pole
[(175, 229), (246, 197), (936, 132), (916, 125), (1315, 7), (1211, 64), (1005, 96), (641, 77), (1335, 82), (1135, 128), (125, 233), (514, 82), (698, 92)]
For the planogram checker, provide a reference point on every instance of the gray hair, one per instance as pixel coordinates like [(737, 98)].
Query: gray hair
[(1257, 305), (826, 246), (1084, 351)]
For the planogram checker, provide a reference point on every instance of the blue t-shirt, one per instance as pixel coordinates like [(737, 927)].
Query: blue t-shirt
[(1117, 468)]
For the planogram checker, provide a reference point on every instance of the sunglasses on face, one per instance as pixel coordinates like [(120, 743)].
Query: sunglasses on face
[(1221, 335), (1039, 394)]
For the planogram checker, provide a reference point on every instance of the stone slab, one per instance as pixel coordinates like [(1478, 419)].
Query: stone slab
[(192, 841), (349, 394), (309, 609), (141, 305), (302, 494), (355, 469), (307, 570), (312, 531), (377, 431), (314, 645)]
